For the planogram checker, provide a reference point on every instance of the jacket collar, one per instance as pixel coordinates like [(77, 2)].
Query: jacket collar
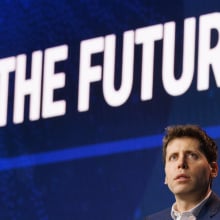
[(212, 206)]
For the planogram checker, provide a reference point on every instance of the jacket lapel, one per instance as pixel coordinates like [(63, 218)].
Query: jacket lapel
[(210, 208)]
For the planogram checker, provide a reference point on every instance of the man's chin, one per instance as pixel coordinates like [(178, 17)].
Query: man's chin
[(181, 190)]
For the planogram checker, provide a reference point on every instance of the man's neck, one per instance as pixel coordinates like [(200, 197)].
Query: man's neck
[(187, 202)]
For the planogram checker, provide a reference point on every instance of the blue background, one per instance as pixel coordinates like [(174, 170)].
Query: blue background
[(105, 163)]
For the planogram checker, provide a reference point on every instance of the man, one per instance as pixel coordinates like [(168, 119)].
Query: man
[(190, 160)]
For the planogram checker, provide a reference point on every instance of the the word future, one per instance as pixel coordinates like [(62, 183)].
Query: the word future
[(44, 80)]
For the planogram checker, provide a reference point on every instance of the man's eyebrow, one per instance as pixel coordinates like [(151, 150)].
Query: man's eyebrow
[(187, 151), (172, 153)]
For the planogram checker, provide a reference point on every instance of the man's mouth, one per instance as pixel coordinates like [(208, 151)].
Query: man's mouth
[(182, 177)]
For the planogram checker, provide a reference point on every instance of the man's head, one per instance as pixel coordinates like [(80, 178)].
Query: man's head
[(190, 158), (207, 146)]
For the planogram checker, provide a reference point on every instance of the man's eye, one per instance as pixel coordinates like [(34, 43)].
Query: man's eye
[(173, 157), (192, 156)]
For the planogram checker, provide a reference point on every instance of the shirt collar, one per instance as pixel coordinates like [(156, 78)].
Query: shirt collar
[(194, 211)]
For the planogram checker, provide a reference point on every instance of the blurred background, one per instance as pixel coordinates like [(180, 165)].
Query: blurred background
[(104, 163)]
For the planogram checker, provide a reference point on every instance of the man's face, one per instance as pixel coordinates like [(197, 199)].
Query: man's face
[(187, 169)]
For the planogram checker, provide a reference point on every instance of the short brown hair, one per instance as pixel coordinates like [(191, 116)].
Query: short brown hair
[(207, 145)]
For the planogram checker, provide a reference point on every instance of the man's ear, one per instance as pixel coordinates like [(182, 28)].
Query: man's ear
[(214, 169)]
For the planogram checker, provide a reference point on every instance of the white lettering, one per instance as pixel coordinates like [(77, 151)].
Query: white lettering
[(88, 73), (51, 108), (118, 97), (7, 65), (147, 36), (25, 87), (172, 85), (208, 56)]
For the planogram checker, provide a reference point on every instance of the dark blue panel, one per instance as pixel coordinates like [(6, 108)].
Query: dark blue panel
[(104, 163)]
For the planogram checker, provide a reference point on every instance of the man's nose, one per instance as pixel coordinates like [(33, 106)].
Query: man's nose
[(182, 163)]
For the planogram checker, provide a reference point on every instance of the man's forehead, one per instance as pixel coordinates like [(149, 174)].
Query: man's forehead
[(182, 143)]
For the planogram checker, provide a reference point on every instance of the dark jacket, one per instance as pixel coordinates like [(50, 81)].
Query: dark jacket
[(210, 210)]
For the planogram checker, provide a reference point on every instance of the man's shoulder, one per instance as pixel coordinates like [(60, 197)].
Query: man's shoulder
[(215, 197), (211, 209), (161, 215), (213, 202)]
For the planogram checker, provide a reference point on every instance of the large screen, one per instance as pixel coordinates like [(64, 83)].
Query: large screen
[(86, 91)]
